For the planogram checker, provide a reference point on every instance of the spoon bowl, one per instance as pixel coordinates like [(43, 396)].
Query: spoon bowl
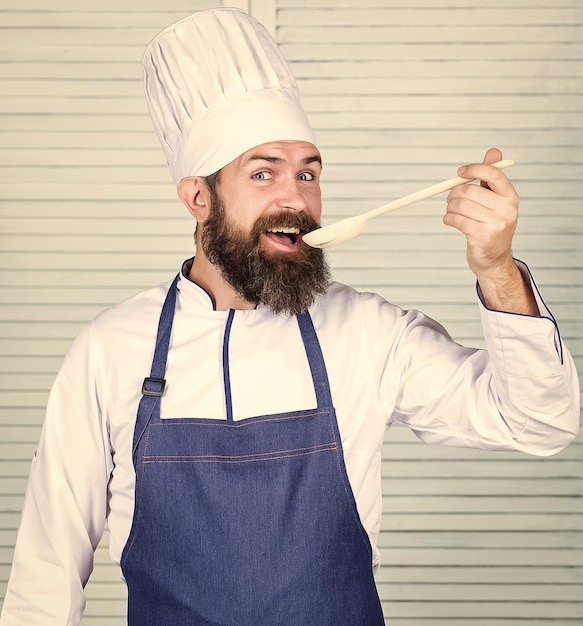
[(344, 230), (336, 233)]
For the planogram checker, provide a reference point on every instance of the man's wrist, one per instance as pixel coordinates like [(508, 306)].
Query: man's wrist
[(505, 289)]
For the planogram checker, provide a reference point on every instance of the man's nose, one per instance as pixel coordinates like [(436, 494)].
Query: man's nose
[(291, 195)]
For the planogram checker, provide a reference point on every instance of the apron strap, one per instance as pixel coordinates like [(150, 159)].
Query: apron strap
[(315, 359), (154, 385)]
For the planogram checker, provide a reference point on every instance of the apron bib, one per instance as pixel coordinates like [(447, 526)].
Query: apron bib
[(245, 523)]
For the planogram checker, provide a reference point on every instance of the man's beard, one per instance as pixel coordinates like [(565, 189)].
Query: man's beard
[(284, 282)]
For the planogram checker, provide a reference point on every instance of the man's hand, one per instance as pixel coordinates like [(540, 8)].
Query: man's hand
[(487, 215)]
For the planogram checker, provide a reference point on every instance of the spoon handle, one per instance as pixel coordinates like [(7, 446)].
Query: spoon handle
[(422, 194)]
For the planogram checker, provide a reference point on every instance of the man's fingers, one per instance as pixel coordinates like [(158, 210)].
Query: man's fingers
[(491, 177), (474, 199), (493, 155)]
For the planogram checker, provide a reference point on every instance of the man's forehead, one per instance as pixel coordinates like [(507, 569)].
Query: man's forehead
[(282, 152)]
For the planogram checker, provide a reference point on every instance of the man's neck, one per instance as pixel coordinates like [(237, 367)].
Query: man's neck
[(209, 277)]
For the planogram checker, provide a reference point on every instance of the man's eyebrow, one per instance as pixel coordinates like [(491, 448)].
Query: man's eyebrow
[(263, 157), (313, 159)]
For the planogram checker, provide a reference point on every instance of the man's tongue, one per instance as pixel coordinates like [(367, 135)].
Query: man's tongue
[(285, 239)]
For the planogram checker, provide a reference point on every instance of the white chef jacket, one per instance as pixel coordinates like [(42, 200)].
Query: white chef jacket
[(385, 365)]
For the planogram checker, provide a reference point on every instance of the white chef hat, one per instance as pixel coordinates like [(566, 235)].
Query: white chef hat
[(217, 85)]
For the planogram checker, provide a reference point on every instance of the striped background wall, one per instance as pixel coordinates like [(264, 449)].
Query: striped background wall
[(400, 93)]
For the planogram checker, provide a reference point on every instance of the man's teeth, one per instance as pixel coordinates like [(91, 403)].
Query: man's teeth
[(285, 230)]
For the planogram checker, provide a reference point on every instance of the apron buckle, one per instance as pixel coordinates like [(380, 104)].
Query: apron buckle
[(158, 389)]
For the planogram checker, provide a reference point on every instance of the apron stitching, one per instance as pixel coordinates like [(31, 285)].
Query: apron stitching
[(242, 459), (188, 421), (239, 456), (137, 506), (147, 439), (349, 493)]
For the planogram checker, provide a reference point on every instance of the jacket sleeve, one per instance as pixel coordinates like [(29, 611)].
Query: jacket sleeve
[(521, 393), (65, 504)]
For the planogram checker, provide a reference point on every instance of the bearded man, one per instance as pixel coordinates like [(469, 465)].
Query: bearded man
[(228, 424), (264, 261)]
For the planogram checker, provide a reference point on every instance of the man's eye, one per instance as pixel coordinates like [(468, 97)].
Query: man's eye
[(262, 176), (306, 176)]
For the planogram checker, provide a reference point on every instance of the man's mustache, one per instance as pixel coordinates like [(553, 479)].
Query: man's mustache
[(285, 219)]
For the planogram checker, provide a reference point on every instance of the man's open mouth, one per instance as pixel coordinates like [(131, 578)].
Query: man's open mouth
[(284, 235)]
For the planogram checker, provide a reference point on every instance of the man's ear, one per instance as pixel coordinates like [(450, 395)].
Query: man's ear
[(194, 193)]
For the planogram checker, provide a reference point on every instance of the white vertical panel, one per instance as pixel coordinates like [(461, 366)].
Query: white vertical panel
[(400, 95)]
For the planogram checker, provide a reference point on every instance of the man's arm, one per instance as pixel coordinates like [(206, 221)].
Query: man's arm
[(520, 394), (65, 506)]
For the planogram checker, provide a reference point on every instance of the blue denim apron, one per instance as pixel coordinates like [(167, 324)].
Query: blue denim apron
[(245, 523)]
